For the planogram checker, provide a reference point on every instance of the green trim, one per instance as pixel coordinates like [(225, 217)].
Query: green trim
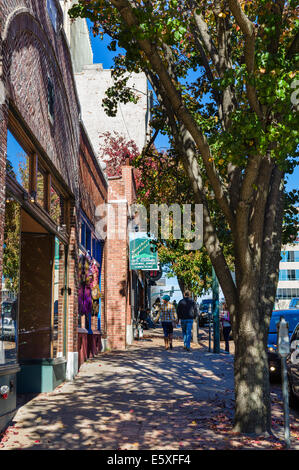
[(41, 375)]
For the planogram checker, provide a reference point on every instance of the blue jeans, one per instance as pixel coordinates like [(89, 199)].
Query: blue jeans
[(187, 331)]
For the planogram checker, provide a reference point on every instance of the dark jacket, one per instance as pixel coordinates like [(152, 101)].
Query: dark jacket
[(186, 309)]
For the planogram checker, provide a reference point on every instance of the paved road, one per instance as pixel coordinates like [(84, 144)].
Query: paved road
[(142, 398)]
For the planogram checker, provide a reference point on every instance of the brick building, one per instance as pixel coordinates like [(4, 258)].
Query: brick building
[(66, 292), (50, 182)]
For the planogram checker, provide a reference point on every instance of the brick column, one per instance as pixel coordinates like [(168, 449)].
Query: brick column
[(73, 279), (116, 281)]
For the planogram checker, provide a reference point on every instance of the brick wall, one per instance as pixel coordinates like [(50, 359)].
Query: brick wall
[(31, 52), (118, 302)]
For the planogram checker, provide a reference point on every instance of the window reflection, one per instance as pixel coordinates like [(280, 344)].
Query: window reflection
[(10, 282), (18, 162), (55, 209), (56, 300), (40, 187)]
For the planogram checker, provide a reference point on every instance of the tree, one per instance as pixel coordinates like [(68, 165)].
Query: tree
[(114, 150), (11, 250), (235, 127), (162, 180)]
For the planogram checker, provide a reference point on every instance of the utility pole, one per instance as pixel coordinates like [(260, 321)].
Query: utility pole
[(215, 290)]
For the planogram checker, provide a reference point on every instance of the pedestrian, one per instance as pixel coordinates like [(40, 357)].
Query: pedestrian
[(226, 326), (186, 314), (168, 317)]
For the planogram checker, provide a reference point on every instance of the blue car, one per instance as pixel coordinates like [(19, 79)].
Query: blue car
[(292, 317), (294, 303)]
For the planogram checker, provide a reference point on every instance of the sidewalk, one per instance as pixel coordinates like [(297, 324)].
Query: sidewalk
[(143, 398)]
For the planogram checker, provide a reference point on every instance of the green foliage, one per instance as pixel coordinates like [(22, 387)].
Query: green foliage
[(11, 251), (169, 27)]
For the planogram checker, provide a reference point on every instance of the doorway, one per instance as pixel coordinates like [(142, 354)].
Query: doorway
[(40, 325)]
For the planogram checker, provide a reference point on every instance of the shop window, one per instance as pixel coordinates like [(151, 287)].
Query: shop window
[(10, 283), (17, 162), (83, 234), (55, 206), (55, 318), (98, 254), (40, 193), (88, 239)]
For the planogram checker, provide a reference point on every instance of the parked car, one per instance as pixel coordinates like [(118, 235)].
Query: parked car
[(293, 368), (292, 317), (204, 307), (7, 329), (6, 308), (294, 303)]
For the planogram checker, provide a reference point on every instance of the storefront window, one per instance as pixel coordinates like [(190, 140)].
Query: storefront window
[(10, 283), (56, 300), (18, 162), (40, 187), (55, 208)]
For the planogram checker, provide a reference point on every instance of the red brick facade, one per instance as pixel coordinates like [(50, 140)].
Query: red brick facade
[(118, 284), (33, 54)]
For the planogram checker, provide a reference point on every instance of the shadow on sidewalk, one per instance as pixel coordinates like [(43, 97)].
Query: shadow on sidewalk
[(145, 395)]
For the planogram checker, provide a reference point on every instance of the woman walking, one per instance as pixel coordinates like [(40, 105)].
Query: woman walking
[(168, 317)]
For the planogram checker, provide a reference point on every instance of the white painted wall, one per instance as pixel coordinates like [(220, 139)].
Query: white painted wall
[(77, 34), (131, 120)]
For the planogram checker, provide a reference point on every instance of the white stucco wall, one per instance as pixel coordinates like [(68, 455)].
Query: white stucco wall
[(131, 120), (77, 34)]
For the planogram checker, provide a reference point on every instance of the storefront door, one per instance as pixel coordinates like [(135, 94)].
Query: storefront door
[(35, 296)]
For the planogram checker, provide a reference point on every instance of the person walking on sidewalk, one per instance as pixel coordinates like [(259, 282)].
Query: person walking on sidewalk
[(226, 326), (168, 317), (186, 314)]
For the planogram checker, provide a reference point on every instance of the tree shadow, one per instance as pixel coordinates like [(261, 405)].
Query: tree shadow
[(144, 397)]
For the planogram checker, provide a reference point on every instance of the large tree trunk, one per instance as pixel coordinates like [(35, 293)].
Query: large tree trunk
[(252, 390), (256, 295)]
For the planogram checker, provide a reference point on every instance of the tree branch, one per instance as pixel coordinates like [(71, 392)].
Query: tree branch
[(127, 13), (248, 29)]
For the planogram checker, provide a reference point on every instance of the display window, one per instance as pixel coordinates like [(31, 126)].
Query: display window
[(89, 276), (10, 282), (18, 163), (26, 167)]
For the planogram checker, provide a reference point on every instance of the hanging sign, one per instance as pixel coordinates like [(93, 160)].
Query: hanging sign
[(143, 254)]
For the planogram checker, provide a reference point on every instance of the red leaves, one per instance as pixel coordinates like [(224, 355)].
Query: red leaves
[(114, 150)]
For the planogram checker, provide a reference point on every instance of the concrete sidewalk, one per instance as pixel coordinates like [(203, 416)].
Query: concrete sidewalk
[(142, 398)]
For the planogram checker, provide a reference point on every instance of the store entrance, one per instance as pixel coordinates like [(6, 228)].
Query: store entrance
[(35, 296), (41, 370)]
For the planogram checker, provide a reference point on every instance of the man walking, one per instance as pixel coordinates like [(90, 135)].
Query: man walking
[(186, 314)]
